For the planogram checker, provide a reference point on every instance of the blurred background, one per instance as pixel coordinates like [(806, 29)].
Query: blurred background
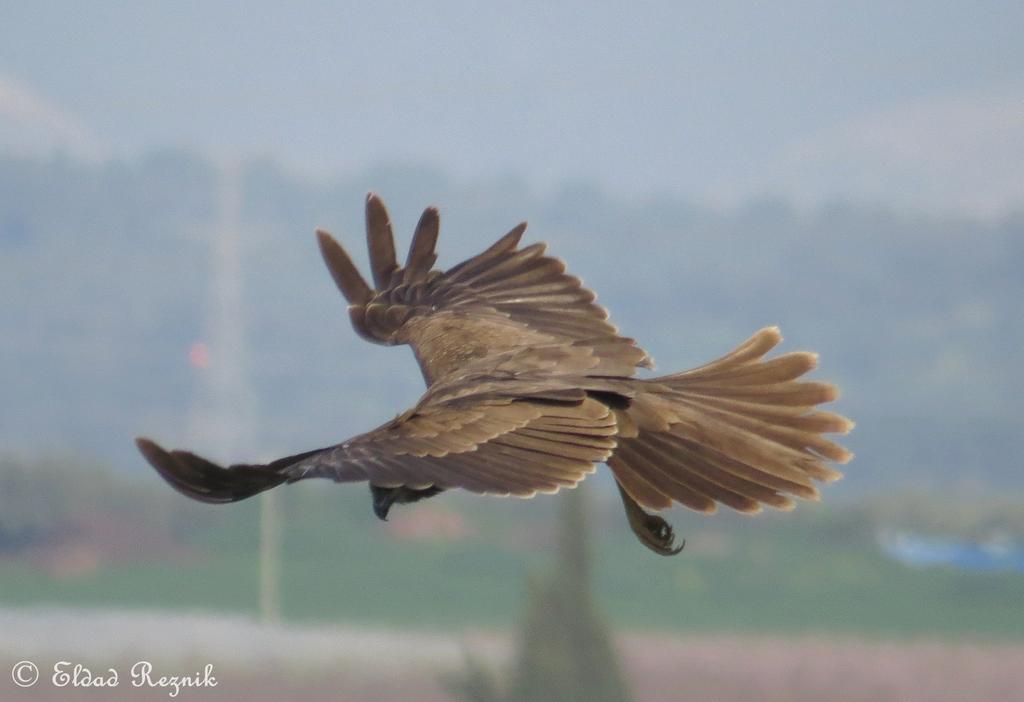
[(853, 174)]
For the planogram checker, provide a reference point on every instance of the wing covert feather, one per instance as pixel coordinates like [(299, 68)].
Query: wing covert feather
[(493, 446)]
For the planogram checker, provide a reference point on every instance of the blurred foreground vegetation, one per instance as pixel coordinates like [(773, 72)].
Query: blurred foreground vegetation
[(564, 648), (75, 535)]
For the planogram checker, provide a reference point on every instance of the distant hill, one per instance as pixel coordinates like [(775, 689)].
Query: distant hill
[(105, 278)]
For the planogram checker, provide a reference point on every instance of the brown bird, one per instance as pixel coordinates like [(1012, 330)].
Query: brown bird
[(529, 387)]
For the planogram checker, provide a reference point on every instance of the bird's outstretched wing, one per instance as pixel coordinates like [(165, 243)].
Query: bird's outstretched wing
[(497, 443), (503, 299)]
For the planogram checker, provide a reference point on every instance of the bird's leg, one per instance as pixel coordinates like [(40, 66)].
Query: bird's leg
[(385, 497), (653, 531)]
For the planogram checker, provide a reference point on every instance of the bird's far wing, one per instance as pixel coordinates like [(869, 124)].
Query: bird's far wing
[(492, 444), (504, 298)]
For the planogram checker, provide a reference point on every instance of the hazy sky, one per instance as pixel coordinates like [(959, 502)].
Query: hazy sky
[(916, 104)]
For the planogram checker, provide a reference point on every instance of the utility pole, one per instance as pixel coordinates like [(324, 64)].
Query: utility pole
[(225, 413)]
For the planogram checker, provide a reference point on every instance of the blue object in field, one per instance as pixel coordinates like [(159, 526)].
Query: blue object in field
[(967, 555)]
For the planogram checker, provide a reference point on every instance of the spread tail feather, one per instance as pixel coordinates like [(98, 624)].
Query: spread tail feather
[(741, 431)]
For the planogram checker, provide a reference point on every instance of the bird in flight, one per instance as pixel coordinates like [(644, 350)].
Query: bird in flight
[(529, 388)]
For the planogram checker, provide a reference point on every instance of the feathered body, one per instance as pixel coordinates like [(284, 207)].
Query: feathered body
[(529, 388)]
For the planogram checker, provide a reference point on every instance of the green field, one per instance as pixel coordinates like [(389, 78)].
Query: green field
[(818, 570)]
